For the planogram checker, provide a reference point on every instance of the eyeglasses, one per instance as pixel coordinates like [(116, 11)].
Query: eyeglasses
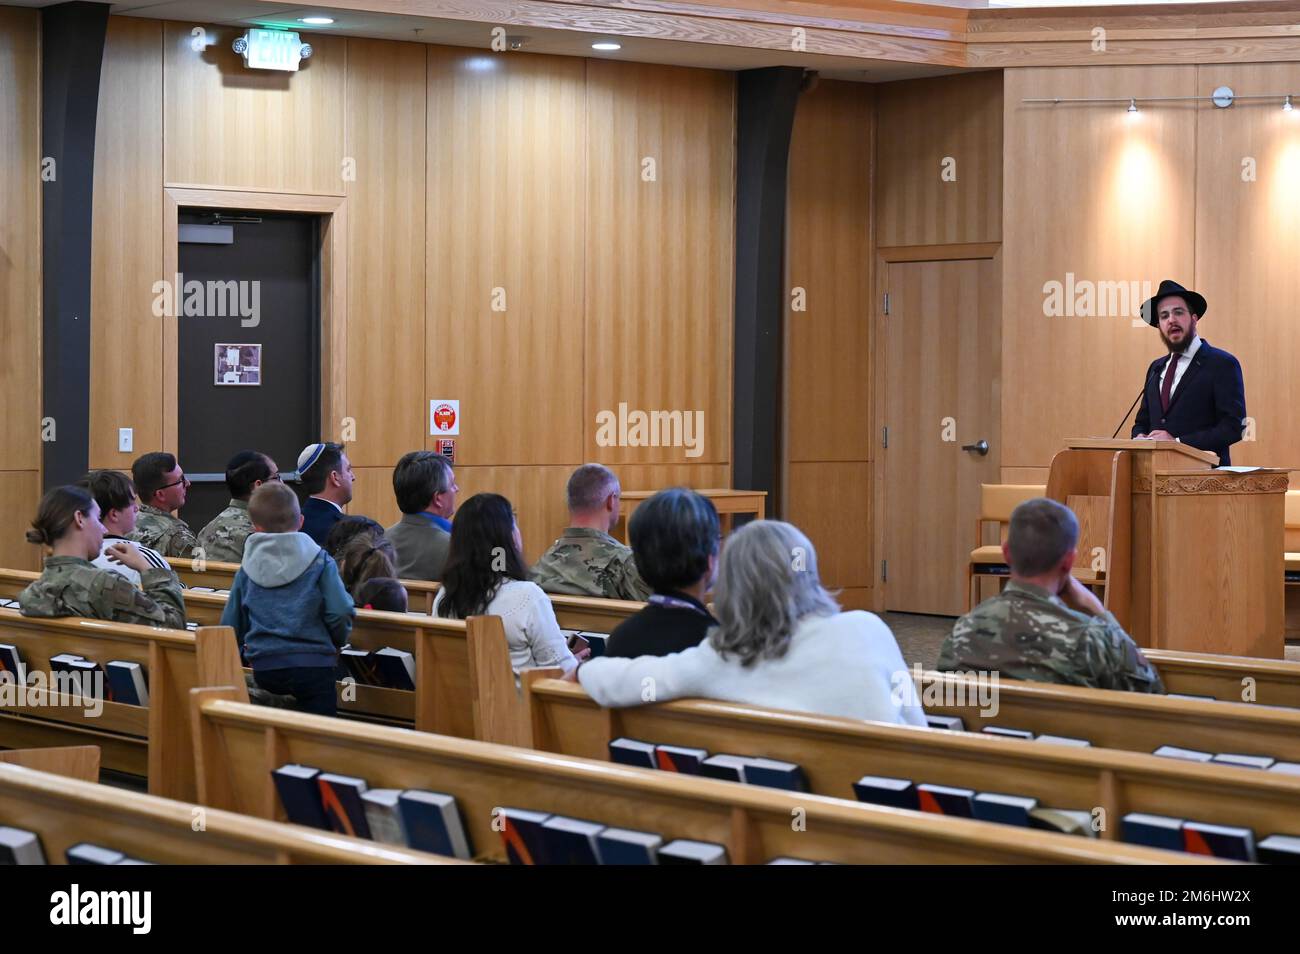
[(176, 483), (276, 476)]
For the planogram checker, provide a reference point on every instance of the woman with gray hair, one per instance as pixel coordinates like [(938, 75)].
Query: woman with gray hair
[(781, 642)]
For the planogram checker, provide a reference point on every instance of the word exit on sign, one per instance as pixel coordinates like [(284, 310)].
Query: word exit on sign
[(272, 50)]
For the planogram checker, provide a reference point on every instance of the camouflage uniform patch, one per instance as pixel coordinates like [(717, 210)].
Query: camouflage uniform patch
[(170, 536), (588, 562), (73, 587), (223, 538), (1027, 633)]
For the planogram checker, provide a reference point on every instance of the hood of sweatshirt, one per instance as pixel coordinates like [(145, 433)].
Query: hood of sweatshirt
[(274, 559)]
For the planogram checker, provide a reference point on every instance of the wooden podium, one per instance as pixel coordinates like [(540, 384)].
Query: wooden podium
[(1188, 557)]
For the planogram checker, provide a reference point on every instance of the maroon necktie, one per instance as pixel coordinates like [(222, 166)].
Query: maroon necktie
[(1167, 388)]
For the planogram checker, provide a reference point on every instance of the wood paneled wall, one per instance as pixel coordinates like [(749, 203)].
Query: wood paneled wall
[(20, 282), (828, 438), (1119, 205), (465, 174), (922, 198)]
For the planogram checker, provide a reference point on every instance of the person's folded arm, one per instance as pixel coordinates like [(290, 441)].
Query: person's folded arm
[(632, 682)]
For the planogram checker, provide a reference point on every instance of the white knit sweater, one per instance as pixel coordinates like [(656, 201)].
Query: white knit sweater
[(842, 665)]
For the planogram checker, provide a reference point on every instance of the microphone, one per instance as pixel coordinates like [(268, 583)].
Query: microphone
[(1150, 371)]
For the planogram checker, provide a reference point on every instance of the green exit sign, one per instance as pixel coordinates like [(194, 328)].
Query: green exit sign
[(272, 50)]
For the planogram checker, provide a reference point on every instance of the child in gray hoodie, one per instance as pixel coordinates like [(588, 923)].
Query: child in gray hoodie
[(289, 609)]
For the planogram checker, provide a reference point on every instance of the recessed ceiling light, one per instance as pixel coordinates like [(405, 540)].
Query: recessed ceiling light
[(317, 21), (607, 46)]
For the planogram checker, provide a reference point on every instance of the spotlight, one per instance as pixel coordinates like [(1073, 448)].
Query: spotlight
[(316, 21), (607, 46)]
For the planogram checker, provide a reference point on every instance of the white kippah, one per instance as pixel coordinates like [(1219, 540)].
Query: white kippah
[(310, 454)]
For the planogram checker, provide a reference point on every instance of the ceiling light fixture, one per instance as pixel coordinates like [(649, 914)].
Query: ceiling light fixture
[(316, 21), (607, 46)]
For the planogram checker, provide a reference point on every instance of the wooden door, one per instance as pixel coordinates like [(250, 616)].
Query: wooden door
[(941, 368)]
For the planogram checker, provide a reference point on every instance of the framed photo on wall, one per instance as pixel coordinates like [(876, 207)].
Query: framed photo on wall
[(238, 365)]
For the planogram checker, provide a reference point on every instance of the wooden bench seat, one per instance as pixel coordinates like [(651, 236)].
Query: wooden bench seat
[(240, 745), (1134, 721), (153, 741), (835, 752), (64, 811)]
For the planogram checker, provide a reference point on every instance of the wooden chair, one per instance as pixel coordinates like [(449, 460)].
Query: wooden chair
[(239, 745), (996, 503), (834, 753), (64, 811), (1292, 564)]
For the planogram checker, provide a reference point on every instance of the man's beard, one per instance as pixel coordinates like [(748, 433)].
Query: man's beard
[(1181, 346)]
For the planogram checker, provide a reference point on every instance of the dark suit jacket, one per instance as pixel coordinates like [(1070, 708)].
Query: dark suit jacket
[(1207, 408), (421, 547), (318, 518)]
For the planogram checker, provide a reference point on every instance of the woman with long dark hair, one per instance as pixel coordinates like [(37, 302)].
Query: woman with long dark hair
[(485, 576)]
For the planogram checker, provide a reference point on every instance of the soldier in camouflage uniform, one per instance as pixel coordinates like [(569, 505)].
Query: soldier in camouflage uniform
[(586, 560), (162, 487), (1046, 626), (222, 540), (589, 562), (68, 522)]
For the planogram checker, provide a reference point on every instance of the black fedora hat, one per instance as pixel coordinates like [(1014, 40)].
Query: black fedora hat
[(1195, 303)]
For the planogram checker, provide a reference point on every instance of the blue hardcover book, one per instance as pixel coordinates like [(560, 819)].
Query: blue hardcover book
[(20, 847), (63, 677), (893, 792), (1063, 740), (360, 665), (598, 642), (90, 677), (340, 796), (1154, 831), (945, 800), (1220, 841), (300, 795), (621, 846), (1286, 768), (774, 773), (521, 832), (432, 822), (382, 815), (677, 758), (683, 851), (1279, 850), (571, 841), (729, 768), (1004, 809), (950, 723), (790, 861), (87, 854), (127, 683), (1006, 733), (12, 668), (396, 668), (633, 752)]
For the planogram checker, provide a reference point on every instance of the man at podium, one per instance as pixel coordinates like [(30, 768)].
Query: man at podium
[(1195, 395)]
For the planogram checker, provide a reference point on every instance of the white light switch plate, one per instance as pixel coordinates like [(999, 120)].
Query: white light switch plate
[(125, 439)]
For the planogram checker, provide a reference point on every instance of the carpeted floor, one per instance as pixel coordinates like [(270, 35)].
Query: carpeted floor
[(919, 637)]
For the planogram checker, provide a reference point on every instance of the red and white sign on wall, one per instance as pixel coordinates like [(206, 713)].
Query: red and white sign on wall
[(444, 418)]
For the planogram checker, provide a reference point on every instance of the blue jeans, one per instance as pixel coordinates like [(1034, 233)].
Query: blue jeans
[(312, 687)]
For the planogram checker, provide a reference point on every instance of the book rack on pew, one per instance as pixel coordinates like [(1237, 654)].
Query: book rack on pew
[(238, 746)]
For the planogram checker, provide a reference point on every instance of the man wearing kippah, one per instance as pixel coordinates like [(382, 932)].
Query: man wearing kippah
[(326, 476)]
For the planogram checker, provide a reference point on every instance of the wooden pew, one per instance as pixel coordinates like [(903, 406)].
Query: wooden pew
[(573, 612), (65, 811), (465, 685), (239, 746), (71, 761), (153, 741), (835, 752), (1134, 721)]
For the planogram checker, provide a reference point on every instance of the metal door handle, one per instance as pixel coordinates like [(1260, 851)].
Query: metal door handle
[(981, 447)]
